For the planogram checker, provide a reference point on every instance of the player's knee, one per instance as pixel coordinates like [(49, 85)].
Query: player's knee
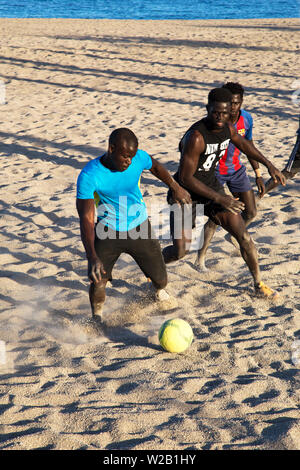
[(244, 239), (250, 214)]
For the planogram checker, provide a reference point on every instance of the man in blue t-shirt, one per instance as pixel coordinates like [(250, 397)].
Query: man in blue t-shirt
[(111, 184)]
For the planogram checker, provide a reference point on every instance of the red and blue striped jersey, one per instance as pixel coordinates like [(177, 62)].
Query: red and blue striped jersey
[(231, 160)]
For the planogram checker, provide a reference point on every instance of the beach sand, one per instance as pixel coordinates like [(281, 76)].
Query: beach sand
[(68, 384)]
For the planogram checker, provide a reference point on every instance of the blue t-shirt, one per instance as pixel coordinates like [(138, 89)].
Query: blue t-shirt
[(117, 195)]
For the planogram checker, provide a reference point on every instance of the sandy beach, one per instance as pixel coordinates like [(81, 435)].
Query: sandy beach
[(68, 385)]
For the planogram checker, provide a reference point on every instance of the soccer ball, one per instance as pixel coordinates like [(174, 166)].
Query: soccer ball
[(175, 335)]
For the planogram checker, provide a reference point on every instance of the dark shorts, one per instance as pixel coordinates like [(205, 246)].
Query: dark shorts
[(238, 182), (146, 251), (201, 206)]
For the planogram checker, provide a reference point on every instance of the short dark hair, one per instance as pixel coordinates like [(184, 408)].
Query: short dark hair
[(235, 88), (122, 133), (220, 95)]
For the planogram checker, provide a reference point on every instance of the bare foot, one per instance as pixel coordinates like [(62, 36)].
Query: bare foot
[(200, 265)]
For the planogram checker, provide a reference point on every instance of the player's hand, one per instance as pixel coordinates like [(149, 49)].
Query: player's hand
[(95, 270), (277, 176), (180, 195), (233, 205), (260, 186)]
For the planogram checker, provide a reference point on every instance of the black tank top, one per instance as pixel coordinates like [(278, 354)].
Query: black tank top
[(216, 144)]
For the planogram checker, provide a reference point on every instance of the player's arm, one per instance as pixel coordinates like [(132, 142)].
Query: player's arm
[(86, 212), (292, 167), (179, 194), (248, 148), (258, 178), (193, 146)]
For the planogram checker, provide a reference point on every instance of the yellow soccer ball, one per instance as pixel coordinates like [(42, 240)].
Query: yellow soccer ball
[(175, 335)]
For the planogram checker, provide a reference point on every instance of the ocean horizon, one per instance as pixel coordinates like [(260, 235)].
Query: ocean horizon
[(150, 9)]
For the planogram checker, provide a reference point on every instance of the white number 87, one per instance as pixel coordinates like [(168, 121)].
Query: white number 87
[(210, 159)]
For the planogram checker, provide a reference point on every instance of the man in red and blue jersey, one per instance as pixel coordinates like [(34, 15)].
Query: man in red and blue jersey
[(232, 172)]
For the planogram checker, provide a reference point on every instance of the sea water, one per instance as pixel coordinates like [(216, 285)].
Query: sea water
[(150, 9)]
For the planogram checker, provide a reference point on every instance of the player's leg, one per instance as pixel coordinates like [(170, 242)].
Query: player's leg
[(178, 250), (97, 297), (148, 256), (235, 225), (248, 214), (181, 222), (146, 252), (250, 211), (108, 252), (209, 230), (240, 187), (291, 169), (210, 227)]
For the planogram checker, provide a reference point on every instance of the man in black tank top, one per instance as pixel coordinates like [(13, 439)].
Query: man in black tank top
[(201, 148), (215, 147)]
